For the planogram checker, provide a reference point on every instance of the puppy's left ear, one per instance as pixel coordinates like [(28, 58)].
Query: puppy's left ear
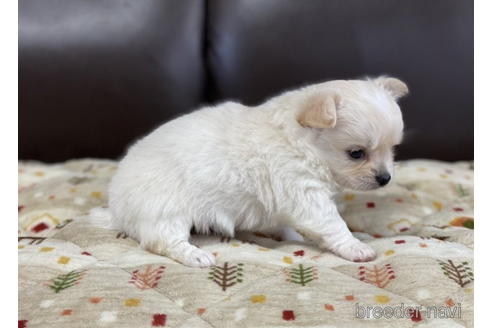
[(319, 110), (395, 87)]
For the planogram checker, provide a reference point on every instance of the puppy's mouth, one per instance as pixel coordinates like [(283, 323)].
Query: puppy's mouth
[(357, 183), (367, 186)]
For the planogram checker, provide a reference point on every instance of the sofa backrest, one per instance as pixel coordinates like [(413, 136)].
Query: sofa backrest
[(96, 75)]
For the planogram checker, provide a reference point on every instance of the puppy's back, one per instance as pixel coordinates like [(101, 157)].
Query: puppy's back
[(177, 164)]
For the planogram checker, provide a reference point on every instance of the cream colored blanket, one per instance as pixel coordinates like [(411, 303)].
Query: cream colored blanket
[(75, 275)]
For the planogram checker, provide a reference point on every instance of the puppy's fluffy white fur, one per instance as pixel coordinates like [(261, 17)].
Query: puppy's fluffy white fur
[(231, 167)]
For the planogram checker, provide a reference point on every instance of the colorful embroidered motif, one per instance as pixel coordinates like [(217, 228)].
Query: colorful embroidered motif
[(301, 275), (378, 276), (226, 275), (67, 280), (461, 274), (147, 278)]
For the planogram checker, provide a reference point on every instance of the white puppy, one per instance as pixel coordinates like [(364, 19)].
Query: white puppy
[(232, 167)]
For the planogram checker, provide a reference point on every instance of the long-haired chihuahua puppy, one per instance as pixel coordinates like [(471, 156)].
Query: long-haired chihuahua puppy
[(232, 167)]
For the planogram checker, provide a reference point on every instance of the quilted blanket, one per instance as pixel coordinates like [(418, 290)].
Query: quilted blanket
[(72, 274)]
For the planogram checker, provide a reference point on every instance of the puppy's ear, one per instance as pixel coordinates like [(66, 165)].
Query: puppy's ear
[(395, 87), (319, 110)]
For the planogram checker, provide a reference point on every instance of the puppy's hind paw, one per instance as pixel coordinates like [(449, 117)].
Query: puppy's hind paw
[(199, 258), (357, 252), (184, 253)]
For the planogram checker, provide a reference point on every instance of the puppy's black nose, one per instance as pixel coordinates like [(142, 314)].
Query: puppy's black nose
[(383, 179)]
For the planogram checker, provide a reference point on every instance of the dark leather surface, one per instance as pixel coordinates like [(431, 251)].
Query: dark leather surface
[(260, 48), (95, 75)]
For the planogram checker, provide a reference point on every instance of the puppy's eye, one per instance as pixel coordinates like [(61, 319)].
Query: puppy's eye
[(357, 153)]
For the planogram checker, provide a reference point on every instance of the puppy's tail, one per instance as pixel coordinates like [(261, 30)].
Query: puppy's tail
[(100, 217)]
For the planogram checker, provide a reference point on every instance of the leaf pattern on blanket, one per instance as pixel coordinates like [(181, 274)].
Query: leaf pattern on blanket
[(67, 280), (379, 276), (461, 273), (147, 278), (226, 275), (301, 274)]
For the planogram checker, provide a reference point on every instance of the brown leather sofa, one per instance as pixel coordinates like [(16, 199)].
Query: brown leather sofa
[(96, 75)]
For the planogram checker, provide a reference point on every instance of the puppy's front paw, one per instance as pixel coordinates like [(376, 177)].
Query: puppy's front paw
[(357, 252)]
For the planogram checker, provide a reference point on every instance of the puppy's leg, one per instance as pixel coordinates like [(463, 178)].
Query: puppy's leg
[(172, 240), (289, 234), (316, 216)]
